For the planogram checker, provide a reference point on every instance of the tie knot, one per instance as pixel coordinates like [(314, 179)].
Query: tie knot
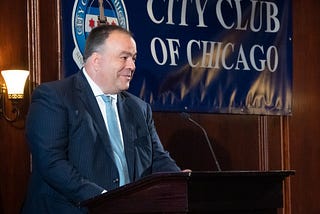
[(107, 98)]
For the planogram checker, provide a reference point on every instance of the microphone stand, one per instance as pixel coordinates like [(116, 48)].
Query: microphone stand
[(187, 116)]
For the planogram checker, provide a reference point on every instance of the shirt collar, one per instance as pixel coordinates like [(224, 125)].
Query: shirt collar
[(95, 88)]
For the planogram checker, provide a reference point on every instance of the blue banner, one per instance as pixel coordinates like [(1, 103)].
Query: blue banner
[(213, 56)]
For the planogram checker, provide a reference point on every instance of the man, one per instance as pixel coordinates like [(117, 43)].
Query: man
[(67, 129)]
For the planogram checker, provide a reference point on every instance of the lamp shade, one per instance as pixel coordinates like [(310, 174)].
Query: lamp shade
[(15, 81)]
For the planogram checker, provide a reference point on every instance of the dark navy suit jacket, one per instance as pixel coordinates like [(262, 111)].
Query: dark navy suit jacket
[(72, 157)]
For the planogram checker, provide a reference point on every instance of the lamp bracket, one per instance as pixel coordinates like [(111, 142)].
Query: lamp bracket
[(15, 109)]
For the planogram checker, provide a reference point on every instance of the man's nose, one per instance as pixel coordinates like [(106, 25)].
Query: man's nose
[(131, 64)]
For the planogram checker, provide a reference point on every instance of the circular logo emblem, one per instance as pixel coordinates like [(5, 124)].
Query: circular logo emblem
[(87, 14)]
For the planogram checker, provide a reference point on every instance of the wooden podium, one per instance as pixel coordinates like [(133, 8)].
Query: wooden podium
[(196, 192)]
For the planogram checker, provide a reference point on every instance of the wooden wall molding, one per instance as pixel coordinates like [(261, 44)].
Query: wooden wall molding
[(33, 18), (263, 142), (285, 162)]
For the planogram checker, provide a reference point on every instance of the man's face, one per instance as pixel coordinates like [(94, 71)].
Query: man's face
[(116, 63)]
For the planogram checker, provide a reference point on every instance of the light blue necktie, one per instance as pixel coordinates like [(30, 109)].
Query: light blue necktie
[(115, 139)]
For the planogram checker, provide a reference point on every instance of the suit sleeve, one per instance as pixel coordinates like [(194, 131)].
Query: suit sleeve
[(47, 134), (162, 162)]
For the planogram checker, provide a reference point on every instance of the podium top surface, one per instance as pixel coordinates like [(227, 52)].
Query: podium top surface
[(194, 176)]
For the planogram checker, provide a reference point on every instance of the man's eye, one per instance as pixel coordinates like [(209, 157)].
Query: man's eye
[(125, 58)]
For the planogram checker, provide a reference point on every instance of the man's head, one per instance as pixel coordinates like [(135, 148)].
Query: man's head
[(109, 58)]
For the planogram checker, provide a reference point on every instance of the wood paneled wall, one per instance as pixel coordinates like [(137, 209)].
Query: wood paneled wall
[(241, 142), (305, 122), (14, 157)]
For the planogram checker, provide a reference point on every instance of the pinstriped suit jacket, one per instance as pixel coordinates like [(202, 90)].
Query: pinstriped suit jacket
[(72, 157)]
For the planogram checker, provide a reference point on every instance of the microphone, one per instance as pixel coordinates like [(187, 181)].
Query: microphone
[(188, 117)]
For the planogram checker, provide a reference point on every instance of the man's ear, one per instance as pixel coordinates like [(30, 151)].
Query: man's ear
[(95, 60)]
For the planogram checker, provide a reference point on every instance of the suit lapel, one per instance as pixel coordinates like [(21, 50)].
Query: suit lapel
[(129, 129), (88, 100)]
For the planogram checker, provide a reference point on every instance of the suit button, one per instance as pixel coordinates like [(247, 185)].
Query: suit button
[(116, 180)]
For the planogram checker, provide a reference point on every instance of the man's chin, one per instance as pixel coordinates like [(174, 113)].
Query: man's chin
[(125, 87)]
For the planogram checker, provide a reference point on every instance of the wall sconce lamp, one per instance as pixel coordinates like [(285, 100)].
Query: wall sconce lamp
[(14, 84)]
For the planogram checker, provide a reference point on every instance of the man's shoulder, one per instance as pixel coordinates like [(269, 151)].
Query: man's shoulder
[(62, 83), (129, 96), (134, 101), (63, 87)]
